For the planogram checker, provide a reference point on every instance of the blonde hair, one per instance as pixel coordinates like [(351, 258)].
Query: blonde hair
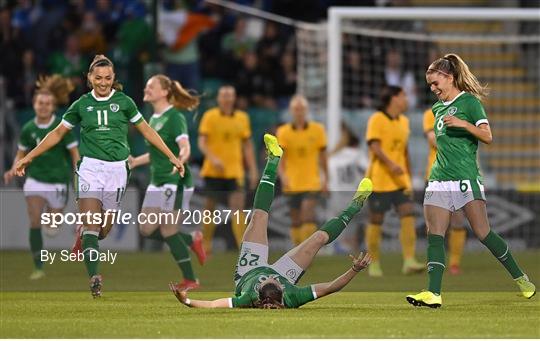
[(56, 86), (101, 60), (179, 97), (464, 79)]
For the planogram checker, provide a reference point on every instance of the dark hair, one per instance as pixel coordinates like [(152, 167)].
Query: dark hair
[(101, 60), (464, 79), (56, 86), (270, 296), (387, 93)]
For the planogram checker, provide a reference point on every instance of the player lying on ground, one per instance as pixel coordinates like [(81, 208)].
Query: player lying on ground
[(260, 285)]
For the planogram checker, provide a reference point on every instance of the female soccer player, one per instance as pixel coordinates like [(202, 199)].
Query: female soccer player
[(304, 142), (387, 136), (260, 285), (455, 181), (167, 191), (458, 232), (46, 185), (104, 115)]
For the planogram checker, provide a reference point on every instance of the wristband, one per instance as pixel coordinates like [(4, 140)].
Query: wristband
[(188, 302)]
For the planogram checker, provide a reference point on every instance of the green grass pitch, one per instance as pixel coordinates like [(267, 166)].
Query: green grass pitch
[(480, 303)]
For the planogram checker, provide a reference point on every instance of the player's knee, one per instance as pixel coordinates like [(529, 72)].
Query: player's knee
[(320, 237)]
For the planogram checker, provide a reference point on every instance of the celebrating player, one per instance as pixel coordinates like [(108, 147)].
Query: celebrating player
[(260, 285), (457, 233), (387, 136), (455, 181), (168, 192), (104, 115), (305, 158), (46, 185)]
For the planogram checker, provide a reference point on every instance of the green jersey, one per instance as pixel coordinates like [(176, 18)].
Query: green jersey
[(172, 127), (246, 293), (54, 165), (104, 124), (457, 148)]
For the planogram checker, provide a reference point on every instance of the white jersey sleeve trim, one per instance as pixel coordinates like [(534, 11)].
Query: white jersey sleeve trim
[(181, 137), (230, 302), (314, 292), (135, 118), (21, 147), (72, 145), (482, 121), (67, 124)]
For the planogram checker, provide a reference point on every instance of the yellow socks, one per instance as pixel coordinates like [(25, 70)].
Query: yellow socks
[(407, 237), (373, 235), (238, 226), (456, 242)]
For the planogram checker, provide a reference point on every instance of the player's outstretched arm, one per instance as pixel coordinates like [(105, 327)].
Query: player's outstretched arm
[(182, 297), (51, 140), (358, 263), (153, 137)]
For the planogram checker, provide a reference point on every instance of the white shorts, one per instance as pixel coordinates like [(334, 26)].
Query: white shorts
[(168, 197), (102, 180), (55, 194), (453, 195), (254, 255)]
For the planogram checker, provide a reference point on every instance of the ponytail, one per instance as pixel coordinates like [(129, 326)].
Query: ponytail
[(55, 85), (179, 97), (464, 79)]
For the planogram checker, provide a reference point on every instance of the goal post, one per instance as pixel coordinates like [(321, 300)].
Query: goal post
[(337, 16)]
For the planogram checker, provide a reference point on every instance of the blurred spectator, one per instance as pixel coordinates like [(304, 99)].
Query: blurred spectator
[(395, 75), (271, 46), (254, 87), (179, 30), (26, 80), (238, 42), (90, 35), (357, 82), (286, 80), (131, 52), (70, 63), (10, 58)]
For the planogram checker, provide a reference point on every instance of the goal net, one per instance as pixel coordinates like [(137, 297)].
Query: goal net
[(341, 72)]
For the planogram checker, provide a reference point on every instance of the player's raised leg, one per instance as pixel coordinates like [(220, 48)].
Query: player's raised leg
[(304, 253), (256, 231)]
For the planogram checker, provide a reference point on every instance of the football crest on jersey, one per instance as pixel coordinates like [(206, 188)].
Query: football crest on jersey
[(452, 111), (114, 107)]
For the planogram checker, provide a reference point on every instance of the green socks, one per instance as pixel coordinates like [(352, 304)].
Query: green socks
[(499, 249), (336, 225), (186, 237), (265, 190), (436, 262), (36, 244), (90, 243), (180, 254)]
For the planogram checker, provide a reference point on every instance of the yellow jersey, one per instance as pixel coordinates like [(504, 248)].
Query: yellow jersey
[(429, 123), (225, 135), (302, 149), (393, 135)]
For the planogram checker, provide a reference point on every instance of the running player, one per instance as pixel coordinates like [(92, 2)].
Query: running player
[(46, 185), (104, 115), (166, 192), (260, 285), (455, 181)]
